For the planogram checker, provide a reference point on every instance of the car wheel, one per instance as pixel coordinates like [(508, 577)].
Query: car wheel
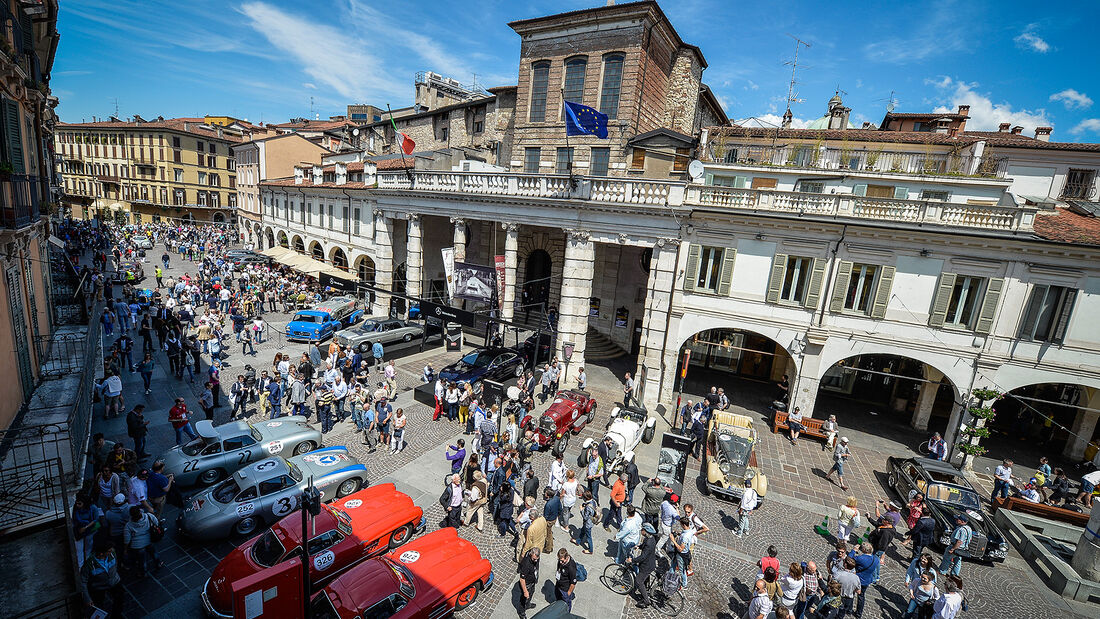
[(892, 481), (348, 486), (591, 414), (647, 435), (519, 370), (304, 447), (246, 526), (467, 597), (400, 536), (408, 338), (561, 445), (210, 476)]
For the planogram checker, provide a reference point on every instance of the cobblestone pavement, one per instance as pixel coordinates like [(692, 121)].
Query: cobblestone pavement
[(724, 564)]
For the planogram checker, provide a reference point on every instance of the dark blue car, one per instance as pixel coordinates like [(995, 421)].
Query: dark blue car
[(496, 364)]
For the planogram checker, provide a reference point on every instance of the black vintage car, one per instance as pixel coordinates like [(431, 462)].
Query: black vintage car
[(946, 494), (673, 460)]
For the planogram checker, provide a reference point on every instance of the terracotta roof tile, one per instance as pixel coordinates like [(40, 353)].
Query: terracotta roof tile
[(355, 166), (186, 125), (396, 163), (1065, 226)]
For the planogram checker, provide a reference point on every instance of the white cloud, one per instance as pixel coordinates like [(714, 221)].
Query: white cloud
[(309, 85), (944, 31), (751, 85), (771, 121), (1072, 99), (985, 115), (1028, 39), (1090, 125)]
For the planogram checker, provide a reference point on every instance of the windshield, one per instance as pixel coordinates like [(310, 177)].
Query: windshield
[(295, 473), (321, 607), (404, 578), (632, 415), (255, 433), (369, 326), (225, 491), (267, 550), (476, 359), (194, 447), (959, 497), (307, 318), (737, 449)]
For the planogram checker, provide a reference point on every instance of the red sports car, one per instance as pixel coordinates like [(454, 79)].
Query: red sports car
[(361, 525), (431, 576), (570, 411)]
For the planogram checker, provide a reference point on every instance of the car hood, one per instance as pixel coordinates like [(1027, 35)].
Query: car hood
[(439, 556), (980, 522), (351, 335), (235, 566), (624, 432)]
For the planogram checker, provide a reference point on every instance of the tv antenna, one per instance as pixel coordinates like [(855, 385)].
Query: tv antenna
[(311, 105), (791, 97), (115, 100)]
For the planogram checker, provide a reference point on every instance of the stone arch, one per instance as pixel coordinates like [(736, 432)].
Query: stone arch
[(364, 269), (270, 234), (283, 241), (338, 259), (1009, 378), (737, 352), (317, 251), (552, 243), (958, 370), (298, 244), (218, 218)]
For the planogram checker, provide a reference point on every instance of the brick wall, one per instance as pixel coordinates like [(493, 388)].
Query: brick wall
[(427, 130)]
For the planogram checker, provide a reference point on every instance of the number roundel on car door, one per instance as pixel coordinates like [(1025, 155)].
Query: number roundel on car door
[(283, 505)]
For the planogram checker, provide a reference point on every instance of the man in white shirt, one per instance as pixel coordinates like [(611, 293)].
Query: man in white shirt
[(949, 604), (630, 533), (1002, 479), (749, 500), (112, 389), (339, 394), (557, 473), (1088, 484), (761, 605)]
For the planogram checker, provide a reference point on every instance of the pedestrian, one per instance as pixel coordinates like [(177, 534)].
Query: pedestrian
[(206, 401), (840, 455), (238, 397), (1002, 479), (451, 500), (137, 427), (923, 594), (794, 424), (632, 474), (791, 586), (477, 496), (866, 567), (590, 513), (505, 513), (106, 485), (87, 520), (456, 454), (452, 397), (112, 393), (760, 606), (950, 604), (958, 547), (698, 526), (399, 423), (847, 519), (750, 499), (566, 578), (558, 472), (145, 368), (100, 584), (181, 421), (383, 414), (628, 389), (568, 496), (629, 534), (849, 585), (116, 519), (922, 534), (1088, 485), (138, 538), (811, 590), (528, 578), (582, 379), (244, 336), (323, 401), (159, 485), (551, 510), (390, 373), (670, 513), (654, 494), (881, 539), (831, 599), (830, 428), (376, 352), (615, 504), (593, 473)]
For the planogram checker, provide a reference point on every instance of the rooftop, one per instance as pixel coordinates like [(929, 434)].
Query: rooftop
[(993, 138), (1065, 226), (194, 126)]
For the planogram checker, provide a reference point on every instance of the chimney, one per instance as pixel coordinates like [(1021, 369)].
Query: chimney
[(964, 110), (866, 124), (787, 117), (1017, 130), (1003, 127), (1043, 133)]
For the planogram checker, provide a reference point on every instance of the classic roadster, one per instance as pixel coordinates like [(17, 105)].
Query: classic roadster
[(730, 457), (570, 411), (263, 492), (364, 524), (629, 425), (220, 450), (947, 493)]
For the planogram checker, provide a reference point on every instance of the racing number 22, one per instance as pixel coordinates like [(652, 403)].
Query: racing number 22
[(190, 466), (244, 457)]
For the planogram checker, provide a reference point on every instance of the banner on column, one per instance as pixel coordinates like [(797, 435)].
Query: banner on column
[(474, 282), (449, 269), (498, 261)]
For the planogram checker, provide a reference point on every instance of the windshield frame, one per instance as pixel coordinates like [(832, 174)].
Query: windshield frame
[(741, 442), (270, 536), (963, 491), (308, 318), (481, 359), (406, 583), (219, 491), (199, 443), (294, 471)]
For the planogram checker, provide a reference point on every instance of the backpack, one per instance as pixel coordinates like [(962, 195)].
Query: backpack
[(582, 573)]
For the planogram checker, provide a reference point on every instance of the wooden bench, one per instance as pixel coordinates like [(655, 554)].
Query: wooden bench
[(1050, 512), (810, 425)]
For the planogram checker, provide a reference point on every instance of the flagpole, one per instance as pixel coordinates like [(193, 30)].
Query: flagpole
[(569, 165), (408, 174)]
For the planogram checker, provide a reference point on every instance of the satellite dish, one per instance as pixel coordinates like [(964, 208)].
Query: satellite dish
[(355, 132), (695, 168), (890, 106)]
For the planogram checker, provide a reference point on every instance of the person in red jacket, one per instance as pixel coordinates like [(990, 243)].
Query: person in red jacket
[(181, 421)]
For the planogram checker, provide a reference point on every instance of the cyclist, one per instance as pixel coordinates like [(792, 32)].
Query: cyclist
[(644, 563), (937, 447)]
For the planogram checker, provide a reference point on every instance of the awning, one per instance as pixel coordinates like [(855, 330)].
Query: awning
[(56, 241), (302, 263)]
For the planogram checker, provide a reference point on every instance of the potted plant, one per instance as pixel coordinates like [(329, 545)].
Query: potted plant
[(6, 170)]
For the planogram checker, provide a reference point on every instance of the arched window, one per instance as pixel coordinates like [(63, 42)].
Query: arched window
[(612, 83), (574, 81), (540, 79)]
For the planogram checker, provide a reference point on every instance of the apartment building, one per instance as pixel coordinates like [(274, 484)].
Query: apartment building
[(261, 159), (179, 169)]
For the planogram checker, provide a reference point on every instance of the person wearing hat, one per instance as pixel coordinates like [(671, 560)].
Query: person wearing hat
[(840, 455), (646, 560), (960, 541), (117, 517)]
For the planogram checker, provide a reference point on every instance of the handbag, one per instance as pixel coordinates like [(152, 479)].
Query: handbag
[(156, 532)]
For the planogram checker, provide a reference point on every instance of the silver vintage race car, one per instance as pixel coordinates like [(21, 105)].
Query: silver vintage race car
[(261, 493), (379, 329), (220, 450)]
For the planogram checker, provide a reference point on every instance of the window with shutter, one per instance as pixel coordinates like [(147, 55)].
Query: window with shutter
[(692, 268), (775, 283), (13, 136), (1047, 314), (882, 292), (726, 277), (943, 296), (990, 301), (859, 190), (901, 193), (840, 288), (817, 279), (965, 299)]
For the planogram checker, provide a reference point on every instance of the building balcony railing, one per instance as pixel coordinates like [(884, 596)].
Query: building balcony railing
[(858, 160), (860, 207), (19, 200), (560, 186)]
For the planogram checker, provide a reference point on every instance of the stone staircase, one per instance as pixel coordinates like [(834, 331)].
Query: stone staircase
[(600, 348)]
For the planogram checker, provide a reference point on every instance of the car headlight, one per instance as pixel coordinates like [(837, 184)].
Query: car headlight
[(750, 474), (724, 467)]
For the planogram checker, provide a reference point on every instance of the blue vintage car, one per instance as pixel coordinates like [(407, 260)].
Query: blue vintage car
[(324, 319)]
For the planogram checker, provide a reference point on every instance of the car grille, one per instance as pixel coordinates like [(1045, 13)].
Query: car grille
[(547, 426), (977, 545)]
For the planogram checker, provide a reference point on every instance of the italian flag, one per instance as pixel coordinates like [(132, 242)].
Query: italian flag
[(404, 141)]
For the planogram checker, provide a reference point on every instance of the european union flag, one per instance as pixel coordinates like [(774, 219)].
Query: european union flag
[(583, 120)]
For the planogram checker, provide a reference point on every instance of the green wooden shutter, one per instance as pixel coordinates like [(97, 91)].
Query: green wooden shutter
[(942, 298), (740, 182), (692, 270), (709, 179), (992, 298), (901, 193), (779, 266), (882, 292), (726, 276), (859, 190), (817, 280), (840, 289), (13, 133)]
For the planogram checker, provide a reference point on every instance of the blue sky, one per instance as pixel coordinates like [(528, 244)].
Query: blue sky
[(264, 59)]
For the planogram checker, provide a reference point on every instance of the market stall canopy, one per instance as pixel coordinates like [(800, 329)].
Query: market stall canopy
[(302, 263)]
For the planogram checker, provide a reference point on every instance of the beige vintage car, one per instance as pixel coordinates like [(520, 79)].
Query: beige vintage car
[(730, 457)]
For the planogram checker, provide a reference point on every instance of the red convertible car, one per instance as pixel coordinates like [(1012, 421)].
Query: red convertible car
[(570, 411), (361, 525), (432, 576)]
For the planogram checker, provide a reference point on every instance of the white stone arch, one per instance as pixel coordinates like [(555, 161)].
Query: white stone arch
[(551, 241), (298, 244), (282, 239), (956, 369), (338, 258), (1010, 377), (269, 237), (692, 324), (316, 249)]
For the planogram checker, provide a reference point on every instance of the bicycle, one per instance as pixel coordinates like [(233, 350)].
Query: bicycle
[(620, 579)]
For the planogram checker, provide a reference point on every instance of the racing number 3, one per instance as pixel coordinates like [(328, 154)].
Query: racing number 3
[(283, 506)]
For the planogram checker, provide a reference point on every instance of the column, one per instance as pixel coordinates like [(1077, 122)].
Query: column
[(459, 239), (383, 261), (1084, 426), (661, 364), (414, 257), (926, 398), (511, 257), (576, 290)]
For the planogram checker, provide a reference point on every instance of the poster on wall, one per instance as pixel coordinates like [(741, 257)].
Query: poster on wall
[(621, 316), (498, 261), (474, 282), (594, 307), (449, 269)]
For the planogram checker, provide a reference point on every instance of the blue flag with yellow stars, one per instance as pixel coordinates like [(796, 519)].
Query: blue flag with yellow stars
[(583, 120)]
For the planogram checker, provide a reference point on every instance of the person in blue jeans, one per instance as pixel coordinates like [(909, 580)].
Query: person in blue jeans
[(683, 542), (589, 511), (960, 541), (866, 566), (1002, 480)]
